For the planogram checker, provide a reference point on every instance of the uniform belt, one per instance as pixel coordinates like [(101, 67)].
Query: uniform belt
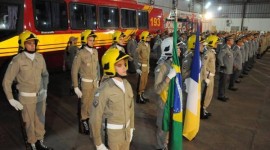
[(117, 126), (144, 65), (28, 94), (87, 80)]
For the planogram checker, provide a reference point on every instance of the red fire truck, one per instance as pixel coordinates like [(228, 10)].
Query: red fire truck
[(55, 21)]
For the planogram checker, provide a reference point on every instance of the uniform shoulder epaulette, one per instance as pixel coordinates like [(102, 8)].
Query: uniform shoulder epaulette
[(211, 50), (224, 46), (82, 51), (104, 83), (17, 56), (39, 55), (141, 42), (162, 66), (126, 81)]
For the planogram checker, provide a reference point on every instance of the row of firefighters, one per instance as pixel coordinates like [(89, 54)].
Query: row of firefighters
[(105, 95)]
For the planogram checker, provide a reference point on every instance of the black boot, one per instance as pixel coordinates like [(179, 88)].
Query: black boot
[(207, 113), (203, 114), (90, 133), (85, 127), (140, 99), (144, 98), (40, 146), (233, 88)]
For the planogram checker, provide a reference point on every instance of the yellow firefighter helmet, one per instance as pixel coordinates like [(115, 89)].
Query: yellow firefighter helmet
[(144, 35), (117, 34), (191, 42), (87, 33), (212, 41), (110, 57), (26, 36)]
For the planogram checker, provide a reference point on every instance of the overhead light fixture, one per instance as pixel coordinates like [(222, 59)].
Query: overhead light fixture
[(208, 15), (219, 8), (208, 4)]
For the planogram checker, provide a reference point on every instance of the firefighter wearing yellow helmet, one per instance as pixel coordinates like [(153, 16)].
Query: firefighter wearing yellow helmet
[(118, 40), (207, 74), (86, 64), (192, 40), (27, 36), (142, 65), (23, 68), (85, 35), (114, 103), (212, 41), (191, 44)]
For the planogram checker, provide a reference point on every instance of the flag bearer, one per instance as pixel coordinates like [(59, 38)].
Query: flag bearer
[(163, 74)]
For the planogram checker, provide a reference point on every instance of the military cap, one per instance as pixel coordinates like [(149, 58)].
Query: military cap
[(228, 38)]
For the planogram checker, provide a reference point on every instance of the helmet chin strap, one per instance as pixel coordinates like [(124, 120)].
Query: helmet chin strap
[(89, 46), (119, 44), (118, 75), (30, 52)]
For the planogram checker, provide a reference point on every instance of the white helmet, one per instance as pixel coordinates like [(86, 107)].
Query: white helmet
[(167, 47)]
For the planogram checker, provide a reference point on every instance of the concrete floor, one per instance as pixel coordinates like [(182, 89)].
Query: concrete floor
[(242, 123)]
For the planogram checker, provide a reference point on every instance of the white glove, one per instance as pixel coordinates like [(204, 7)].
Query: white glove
[(207, 81), (172, 73), (101, 147), (187, 83), (131, 134), (139, 71), (78, 92), (43, 94), (16, 104)]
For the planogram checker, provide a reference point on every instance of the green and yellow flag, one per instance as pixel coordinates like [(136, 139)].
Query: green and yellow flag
[(173, 113)]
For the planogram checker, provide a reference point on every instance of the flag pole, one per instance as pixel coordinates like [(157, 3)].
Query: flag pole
[(175, 3)]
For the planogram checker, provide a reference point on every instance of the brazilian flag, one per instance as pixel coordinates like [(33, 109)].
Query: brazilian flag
[(173, 112)]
